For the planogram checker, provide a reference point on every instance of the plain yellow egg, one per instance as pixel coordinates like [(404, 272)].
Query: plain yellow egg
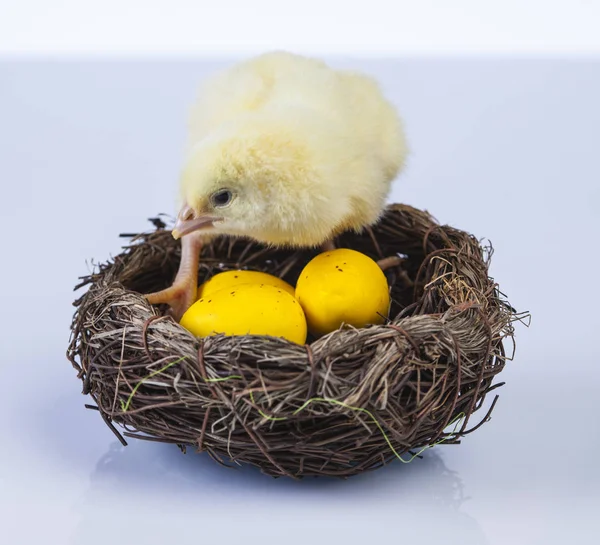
[(228, 279), (342, 287), (247, 309)]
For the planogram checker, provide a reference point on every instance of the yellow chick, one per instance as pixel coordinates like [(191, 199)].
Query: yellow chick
[(287, 151)]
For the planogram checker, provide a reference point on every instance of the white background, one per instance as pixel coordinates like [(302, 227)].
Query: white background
[(362, 27), (504, 144)]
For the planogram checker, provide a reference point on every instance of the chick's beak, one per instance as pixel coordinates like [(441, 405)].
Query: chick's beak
[(188, 222)]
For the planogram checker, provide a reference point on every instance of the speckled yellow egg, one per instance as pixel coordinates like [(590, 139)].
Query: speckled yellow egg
[(247, 309), (342, 286), (229, 279)]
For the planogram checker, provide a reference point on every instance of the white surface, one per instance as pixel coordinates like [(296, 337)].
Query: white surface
[(376, 27), (505, 149)]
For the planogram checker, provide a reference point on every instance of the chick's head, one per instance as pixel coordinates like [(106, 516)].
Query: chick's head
[(257, 183)]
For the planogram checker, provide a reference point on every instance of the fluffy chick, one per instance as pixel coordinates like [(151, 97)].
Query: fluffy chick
[(287, 151)]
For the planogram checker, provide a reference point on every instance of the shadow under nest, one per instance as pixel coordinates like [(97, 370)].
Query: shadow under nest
[(351, 401)]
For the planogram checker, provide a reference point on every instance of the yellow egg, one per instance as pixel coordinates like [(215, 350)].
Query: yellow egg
[(247, 309), (228, 279), (342, 286)]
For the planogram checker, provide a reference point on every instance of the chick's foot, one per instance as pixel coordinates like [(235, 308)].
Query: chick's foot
[(384, 264), (182, 293), (180, 296), (389, 262)]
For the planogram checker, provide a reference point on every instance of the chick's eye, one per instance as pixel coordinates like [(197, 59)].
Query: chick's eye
[(221, 198)]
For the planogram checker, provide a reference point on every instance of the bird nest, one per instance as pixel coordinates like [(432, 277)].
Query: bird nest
[(347, 402)]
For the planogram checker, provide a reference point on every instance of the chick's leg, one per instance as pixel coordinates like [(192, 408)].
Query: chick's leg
[(385, 263), (182, 293), (389, 262)]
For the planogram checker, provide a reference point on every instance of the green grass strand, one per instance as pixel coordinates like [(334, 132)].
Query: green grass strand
[(125, 406), (455, 421)]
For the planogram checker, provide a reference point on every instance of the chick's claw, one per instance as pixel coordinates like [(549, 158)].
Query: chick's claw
[(389, 262), (180, 296), (182, 293)]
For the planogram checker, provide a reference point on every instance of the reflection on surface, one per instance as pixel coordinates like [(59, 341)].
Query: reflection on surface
[(184, 496)]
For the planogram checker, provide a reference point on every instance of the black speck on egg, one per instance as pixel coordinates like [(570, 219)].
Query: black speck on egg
[(235, 276), (210, 300), (340, 270)]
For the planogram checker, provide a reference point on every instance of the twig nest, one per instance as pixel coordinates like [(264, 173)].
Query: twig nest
[(341, 404)]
